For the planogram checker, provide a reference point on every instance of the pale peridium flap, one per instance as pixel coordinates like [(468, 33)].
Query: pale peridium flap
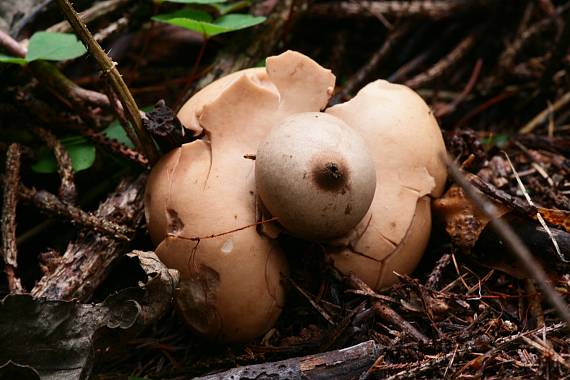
[(241, 115), (244, 112), (400, 129), (190, 111), (388, 217), (393, 207), (417, 179), (303, 84)]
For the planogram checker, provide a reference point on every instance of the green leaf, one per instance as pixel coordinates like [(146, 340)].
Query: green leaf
[(10, 59), (498, 140), (80, 150), (238, 21), (54, 47), (223, 9), (116, 131), (203, 23)]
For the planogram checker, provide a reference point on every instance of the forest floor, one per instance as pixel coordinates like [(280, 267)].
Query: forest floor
[(495, 74)]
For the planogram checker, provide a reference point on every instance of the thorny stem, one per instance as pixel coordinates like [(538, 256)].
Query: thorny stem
[(512, 241), (115, 146), (120, 115), (117, 81), (10, 201)]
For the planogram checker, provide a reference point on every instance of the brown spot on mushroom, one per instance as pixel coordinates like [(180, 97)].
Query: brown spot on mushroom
[(330, 172), (196, 299), (175, 224), (348, 209)]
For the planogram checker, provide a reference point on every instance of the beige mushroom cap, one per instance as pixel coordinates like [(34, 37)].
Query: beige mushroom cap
[(315, 174), (407, 146), (200, 201)]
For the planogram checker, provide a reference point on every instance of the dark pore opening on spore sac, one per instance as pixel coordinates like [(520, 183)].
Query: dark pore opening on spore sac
[(330, 172)]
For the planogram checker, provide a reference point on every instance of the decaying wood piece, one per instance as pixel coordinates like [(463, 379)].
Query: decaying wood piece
[(48, 202), (9, 202), (347, 363), (86, 261)]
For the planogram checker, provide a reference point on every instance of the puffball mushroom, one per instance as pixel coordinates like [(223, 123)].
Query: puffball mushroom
[(315, 174), (200, 200)]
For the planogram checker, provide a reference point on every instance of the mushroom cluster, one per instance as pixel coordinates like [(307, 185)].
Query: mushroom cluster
[(357, 177)]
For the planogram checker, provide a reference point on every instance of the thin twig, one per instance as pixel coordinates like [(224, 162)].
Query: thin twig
[(11, 46), (115, 146), (441, 66), (98, 10), (120, 115), (317, 307), (109, 67), (387, 313), (10, 201), (543, 116), (512, 241), (435, 275), (48, 202), (67, 190), (450, 107), (365, 71)]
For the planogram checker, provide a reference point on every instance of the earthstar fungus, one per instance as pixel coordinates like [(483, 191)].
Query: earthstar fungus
[(362, 173)]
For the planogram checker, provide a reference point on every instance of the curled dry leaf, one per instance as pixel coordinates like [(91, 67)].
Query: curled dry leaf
[(54, 338)]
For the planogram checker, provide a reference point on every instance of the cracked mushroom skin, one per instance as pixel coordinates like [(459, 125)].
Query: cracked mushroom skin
[(200, 201), (407, 146)]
